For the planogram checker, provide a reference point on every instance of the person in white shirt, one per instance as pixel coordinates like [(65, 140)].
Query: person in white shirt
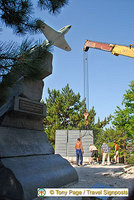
[(94, 152)]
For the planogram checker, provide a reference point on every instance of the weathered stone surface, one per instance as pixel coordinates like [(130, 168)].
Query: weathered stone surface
[(29, 156), (41, 171), (31, 89), (23, 113), (27, 87), (22, 120), (46, 66), (10, 187), (22, 142)]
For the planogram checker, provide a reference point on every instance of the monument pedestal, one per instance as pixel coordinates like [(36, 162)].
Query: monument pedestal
[(31, 158), (27, 159)]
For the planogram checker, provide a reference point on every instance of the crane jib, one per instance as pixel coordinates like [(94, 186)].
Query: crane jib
[(113, 48)]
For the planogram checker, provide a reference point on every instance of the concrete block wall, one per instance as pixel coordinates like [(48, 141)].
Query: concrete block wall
[(65, 143), (61, 143)]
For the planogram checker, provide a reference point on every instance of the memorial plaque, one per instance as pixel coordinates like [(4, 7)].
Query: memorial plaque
[(28, 106)]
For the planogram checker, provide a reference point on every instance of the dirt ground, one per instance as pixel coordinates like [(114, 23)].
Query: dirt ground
[(116, 176)]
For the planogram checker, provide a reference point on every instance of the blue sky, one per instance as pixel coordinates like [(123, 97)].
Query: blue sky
[(98, 20)]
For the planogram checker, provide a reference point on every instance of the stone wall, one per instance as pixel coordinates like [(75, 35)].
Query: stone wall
[(65, 143)]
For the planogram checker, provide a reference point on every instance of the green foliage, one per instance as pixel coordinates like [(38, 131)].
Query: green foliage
[(98, 128), (8, 53), (130, 159), (124, 121), (123, 130), (65, 111), (22, 61), (109, 136), (124, 118), (15, 13), (17, 62), (18, 14), (53, 6)]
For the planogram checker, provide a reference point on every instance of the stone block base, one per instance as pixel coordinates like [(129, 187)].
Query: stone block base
[(41, 172), (29, 156)]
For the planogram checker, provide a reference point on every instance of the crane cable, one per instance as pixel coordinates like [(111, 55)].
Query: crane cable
[(86, 79)]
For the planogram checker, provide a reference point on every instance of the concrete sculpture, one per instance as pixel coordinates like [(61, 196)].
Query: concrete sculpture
[(24, 148)]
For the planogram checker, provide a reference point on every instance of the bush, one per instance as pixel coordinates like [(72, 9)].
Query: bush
[(130, 159)]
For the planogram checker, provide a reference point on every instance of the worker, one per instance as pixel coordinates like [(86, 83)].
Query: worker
[(79, 152), (94, 153), (105, 149), (116, 153)]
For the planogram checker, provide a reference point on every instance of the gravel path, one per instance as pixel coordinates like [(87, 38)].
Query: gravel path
[(115, 176), (118, 176)]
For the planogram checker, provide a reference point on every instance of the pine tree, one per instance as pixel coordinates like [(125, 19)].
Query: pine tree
[(65, 110), (124, 120), (122, 130), (16, 61), (18, 14)]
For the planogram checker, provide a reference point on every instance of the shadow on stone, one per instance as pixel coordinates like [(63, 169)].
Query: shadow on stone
[(10, 187)]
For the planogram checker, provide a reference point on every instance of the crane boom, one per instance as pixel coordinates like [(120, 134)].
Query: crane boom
[(113, 48)]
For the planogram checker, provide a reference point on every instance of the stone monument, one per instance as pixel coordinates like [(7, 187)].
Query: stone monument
[(24, 148)]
